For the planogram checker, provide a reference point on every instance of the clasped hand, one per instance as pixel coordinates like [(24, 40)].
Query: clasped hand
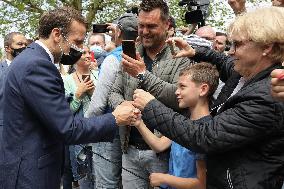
[(141, 98), (126, 114)]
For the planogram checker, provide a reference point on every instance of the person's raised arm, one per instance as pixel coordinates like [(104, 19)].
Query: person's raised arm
[(223, 62), (238, 6), (45, 97)]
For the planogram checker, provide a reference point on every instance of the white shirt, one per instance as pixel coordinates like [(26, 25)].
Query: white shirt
[(46, 49), (8, 62)]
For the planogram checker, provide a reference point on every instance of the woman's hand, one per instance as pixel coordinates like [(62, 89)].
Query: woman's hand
[(185, 49), (87, 85)]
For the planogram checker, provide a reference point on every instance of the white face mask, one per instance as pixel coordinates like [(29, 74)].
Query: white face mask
[(97, 50)]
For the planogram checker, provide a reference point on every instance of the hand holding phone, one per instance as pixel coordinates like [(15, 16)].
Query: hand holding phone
[(128, 48)]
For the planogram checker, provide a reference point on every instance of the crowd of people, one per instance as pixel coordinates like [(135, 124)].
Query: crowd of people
[(205, 110)]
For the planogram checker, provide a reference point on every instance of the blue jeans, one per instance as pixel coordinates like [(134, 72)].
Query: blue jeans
[(108, 175), (143, 163)]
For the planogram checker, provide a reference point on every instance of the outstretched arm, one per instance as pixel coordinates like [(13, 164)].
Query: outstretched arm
[(157, 144)]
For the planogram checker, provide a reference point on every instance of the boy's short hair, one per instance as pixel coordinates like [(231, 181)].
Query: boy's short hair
[(203, 73)]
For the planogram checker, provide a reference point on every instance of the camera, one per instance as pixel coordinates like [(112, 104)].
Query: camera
[(197, 11)]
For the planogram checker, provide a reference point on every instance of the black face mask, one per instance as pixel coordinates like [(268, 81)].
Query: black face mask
[(16, 52), (71, 58)]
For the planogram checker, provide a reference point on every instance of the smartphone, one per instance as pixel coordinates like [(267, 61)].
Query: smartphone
[(128, 48), (86, 75), (100, 28)]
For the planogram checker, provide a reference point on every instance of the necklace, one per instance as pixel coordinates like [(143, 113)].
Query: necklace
[(78, 77)]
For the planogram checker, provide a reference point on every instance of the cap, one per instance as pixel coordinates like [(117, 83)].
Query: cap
[(128, 22)]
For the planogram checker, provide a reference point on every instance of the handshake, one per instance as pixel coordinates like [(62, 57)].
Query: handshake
[(129, 112)]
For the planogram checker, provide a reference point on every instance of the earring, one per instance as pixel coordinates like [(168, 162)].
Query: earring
[(264, 54)]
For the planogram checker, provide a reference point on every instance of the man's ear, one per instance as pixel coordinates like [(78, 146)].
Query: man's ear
[(56, 34), (7, 48), (204, 89), (118, 33)]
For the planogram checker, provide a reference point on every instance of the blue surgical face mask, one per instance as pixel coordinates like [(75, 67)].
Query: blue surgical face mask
[(97, 50)]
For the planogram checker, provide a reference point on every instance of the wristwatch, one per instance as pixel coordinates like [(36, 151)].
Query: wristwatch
[(141, 77)]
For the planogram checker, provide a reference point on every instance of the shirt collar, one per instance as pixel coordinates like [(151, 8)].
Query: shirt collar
[(8, 62), (46, 49)]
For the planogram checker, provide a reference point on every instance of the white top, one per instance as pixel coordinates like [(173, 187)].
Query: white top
[(8, 62)]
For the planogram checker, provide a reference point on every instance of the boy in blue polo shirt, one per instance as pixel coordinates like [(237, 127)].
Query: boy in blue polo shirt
[(187, 169)]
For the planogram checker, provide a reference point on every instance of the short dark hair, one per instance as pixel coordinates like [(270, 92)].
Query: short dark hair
[(203, 73), (59, 18), (8, 39), (149, 5)]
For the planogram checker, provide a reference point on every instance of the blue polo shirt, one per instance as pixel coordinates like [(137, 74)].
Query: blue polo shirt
[(182, 162)]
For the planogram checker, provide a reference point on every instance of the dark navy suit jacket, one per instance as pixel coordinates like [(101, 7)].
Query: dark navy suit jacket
[(3, 72), (38, 122), (3, 68)]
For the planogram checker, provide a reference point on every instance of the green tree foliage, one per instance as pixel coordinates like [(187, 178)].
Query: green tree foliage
[(23, 15), (1, 54)]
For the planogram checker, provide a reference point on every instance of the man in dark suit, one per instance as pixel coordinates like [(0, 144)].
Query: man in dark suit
[(37, 118), (14, 43)]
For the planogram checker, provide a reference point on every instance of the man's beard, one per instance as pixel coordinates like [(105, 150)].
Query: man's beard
[(156, 41)]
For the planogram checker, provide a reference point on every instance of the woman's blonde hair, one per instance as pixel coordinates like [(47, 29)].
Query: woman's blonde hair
[(264, 26)]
